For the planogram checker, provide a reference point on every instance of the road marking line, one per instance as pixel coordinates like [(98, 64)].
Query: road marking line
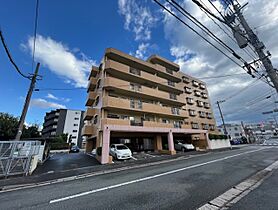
[(150, 155), (235, 194), (150, 177), (133, 158)]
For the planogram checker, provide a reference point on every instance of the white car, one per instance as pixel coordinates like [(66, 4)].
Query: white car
[(120, 151), (179, 145)]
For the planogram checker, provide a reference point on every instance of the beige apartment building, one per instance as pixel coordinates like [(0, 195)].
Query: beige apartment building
[(145, 104)]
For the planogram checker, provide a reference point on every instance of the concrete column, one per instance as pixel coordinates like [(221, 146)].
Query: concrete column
[(158, 143), (171, 143), (207, 140), (105, 145)]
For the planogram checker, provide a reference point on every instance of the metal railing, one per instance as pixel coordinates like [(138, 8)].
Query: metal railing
[(16, 156)]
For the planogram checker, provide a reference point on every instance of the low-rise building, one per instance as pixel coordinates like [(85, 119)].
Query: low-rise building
[(145, 104), (235, 131), (64, 121)]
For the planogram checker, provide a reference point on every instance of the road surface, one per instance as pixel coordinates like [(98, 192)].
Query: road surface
[(182, 184)]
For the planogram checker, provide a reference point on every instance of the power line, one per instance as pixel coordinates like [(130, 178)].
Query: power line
[(183, 22), (35, 32), (221, 76), (10, 57)]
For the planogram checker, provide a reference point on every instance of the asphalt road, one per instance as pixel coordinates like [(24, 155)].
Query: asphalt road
[(183, 184)]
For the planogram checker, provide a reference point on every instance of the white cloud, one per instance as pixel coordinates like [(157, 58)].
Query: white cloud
[(138, 18), (42, 103), (199, 59), (59, 59), (50, 96), (141, 51)]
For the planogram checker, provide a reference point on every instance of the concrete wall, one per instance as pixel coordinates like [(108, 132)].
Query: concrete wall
[(219, 143)]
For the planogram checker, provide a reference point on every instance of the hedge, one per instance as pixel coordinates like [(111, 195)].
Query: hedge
[(216, 136)]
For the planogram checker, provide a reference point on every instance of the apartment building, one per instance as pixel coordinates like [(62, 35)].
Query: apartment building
[(235, 131), (61, 121), (145, 104)]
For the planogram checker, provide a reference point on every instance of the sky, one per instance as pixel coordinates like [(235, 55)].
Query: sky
[(73, 35)]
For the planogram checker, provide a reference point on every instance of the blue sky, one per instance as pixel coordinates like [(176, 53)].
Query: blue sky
[(72, 35)]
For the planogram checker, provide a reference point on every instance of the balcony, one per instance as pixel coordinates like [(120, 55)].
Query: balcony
[(94, 72), (90, 113), (124, 87), (91, 98), (110, 121), (89, 130), (92, 84), (123, 71), (124, 105)]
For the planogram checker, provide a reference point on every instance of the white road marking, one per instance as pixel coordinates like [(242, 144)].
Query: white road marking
[(150, 155), (133, 158), (150, 177), (235, 194)]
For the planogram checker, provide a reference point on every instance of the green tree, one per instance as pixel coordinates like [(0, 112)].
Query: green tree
[(8, 128)]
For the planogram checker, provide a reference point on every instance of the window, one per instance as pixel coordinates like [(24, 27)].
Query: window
[(204, 95), (134, 71), (97, 101), (202, 86), (202, 114), (73, 137), (135, 87), (165, 121), (113, 116), (205, 126), (169, 71), (236, 134), (212, 127), (192, 112), (197, 93), (95, 119), (200, 103), (189, 100), (175, 111), (195, 83), (171, 83), (235, 128), (136, 104), (185, 79), (173, 96), (177, 124), (76, 112), (75, 124), (76, 118), (206, 105), (187, 90), (209, 116), (195, 125), (74, 131)]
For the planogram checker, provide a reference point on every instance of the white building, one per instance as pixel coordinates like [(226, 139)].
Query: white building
[(235, 131)]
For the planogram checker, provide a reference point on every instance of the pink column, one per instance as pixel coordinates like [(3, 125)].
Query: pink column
[(171, 143), (208, 141), (105, 145)]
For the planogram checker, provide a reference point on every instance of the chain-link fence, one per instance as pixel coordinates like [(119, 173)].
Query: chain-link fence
[(16, 156)]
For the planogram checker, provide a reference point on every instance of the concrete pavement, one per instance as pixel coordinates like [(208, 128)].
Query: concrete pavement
[(184, 184)]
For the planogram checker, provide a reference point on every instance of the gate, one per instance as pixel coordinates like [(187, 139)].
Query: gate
[(16, 156)]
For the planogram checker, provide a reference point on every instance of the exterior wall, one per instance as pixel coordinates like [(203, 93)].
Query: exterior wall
[(72, 124), (219, 143), (235, 131), (132, 93)]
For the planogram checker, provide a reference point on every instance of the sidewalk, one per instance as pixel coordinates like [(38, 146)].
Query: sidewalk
[(41, 175)]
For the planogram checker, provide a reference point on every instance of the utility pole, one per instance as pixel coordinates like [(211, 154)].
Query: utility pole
[(26, 103), (259, 47), (218, 104)]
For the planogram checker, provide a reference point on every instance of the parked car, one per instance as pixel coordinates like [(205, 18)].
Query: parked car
[(74, 149), (235, 141), (120, 151), (180, 145)]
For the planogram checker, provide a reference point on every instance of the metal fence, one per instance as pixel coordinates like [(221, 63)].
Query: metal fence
[(16, 156)]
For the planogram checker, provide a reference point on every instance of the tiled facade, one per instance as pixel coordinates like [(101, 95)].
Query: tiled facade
[(130, 96)]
